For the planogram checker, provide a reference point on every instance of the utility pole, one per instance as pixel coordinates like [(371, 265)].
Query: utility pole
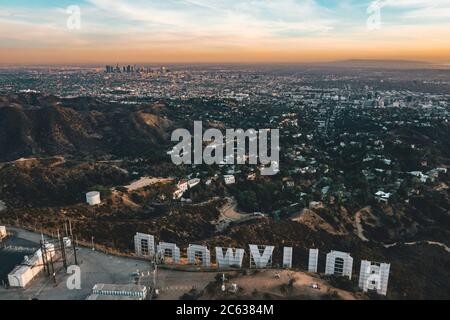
[(72, 240), (50, 266), (44, 256), (61, 247), (155, 270), (63, 253), (65, 227)]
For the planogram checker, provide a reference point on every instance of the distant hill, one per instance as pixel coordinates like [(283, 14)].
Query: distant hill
[(37, 125), (383, 64)]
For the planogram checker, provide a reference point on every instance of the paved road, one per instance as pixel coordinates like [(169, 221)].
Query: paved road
[(229, 213)]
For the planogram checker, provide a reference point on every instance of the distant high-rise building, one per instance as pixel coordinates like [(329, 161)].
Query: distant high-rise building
[(109, 69)]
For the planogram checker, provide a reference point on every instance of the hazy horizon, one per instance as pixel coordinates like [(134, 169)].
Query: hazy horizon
[(212, 31), (356, 63)]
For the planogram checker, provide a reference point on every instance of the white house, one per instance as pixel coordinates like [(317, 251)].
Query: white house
[(420, 175), (182, 185), (24, 273), (193, 182), (382, 196), (229, 179), (435, 172), (177, 194)]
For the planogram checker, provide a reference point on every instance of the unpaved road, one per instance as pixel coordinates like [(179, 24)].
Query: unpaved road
[(146, 181), (358, 224), (433, 243)]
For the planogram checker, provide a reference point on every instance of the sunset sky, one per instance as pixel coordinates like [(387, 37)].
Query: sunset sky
[(146, 31)]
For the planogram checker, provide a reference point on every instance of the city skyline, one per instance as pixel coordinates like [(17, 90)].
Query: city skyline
[(194, 31)]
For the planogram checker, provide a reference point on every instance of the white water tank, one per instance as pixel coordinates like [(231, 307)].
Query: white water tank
[(93, 198)]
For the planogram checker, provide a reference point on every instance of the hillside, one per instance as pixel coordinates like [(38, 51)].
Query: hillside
[(33, 125)]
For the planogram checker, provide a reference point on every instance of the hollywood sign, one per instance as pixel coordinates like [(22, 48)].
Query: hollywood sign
[(372, 276)]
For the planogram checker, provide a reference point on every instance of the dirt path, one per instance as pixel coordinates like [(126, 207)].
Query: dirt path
[(146, 181), (125, 199), (433, 243), (204, 203), (358, 224), (360, 233)]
